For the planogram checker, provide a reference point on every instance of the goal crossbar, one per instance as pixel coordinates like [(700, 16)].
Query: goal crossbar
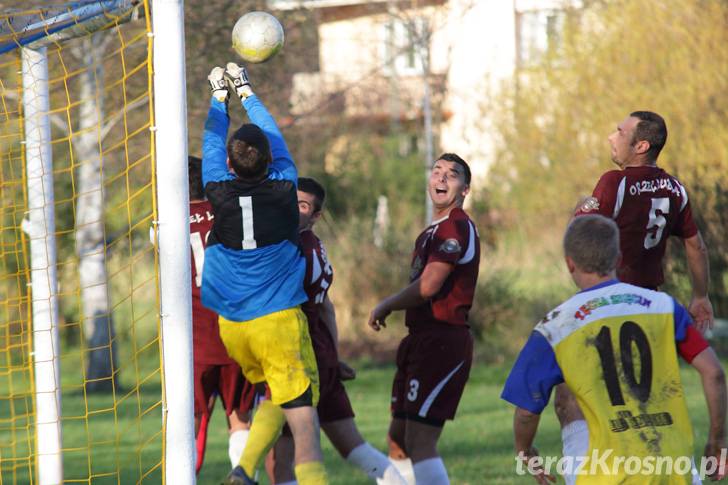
[(61, 22)]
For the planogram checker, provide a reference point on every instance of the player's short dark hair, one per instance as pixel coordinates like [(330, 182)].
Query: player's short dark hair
[(194, 174), (651, 128), (592, 242), (249, 152), (311, 186), (452, 157)]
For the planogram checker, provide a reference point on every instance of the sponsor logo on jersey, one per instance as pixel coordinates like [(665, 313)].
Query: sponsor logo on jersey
[(629, 298), (450, 246)]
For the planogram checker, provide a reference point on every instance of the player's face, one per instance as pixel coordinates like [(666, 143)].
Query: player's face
[(307, 215), (621, 141), (447, 185)]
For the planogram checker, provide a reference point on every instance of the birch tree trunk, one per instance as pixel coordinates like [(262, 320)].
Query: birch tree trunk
[(98, 326)]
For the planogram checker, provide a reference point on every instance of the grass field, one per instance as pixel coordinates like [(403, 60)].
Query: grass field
[(477, 446), (121, 442)]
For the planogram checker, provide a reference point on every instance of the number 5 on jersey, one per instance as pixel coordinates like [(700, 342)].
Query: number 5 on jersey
[(656, 222)]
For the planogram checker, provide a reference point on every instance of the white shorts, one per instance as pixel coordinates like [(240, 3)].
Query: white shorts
[(575, 439)]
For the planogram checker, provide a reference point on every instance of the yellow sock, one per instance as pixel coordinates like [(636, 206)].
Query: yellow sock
[(267, 423), (311, 473)]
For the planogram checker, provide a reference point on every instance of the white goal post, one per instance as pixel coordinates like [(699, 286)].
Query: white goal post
[(173, 230)]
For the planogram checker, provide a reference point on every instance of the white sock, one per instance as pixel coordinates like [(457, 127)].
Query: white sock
[(431, 472), (236, 445), (374, 463), (288, 483), (404, 467)]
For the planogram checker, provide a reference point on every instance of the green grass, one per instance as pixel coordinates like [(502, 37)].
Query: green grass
[(118, 440), (476, 447)]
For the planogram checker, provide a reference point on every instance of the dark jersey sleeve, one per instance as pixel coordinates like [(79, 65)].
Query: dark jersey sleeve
[(604, 195), (449, 241), (685, 226), (307, 245)]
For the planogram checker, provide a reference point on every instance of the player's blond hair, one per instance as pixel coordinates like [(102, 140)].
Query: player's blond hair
[(592, 242)]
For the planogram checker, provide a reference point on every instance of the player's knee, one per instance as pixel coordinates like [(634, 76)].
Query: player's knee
[(396, 447), (395, 439), (421, 437), (420, 447), (305, 399)]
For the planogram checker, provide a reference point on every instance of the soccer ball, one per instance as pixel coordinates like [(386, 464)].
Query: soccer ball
[(257, 36)]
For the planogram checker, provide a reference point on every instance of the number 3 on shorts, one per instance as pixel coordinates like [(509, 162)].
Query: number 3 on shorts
[(414, 385)]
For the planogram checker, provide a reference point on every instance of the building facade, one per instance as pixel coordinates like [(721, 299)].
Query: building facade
[(386, 59)]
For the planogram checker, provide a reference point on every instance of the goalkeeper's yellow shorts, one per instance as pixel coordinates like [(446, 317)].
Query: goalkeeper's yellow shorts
[(274, 348)]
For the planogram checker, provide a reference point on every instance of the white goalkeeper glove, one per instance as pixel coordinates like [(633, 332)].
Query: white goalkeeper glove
[(237, 80), (218, 87)]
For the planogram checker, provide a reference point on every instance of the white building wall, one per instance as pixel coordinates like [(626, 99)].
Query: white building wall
[(350, 49), (474, 44), (481, 54)]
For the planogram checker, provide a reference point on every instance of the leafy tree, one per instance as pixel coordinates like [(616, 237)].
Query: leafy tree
[(667, 56)]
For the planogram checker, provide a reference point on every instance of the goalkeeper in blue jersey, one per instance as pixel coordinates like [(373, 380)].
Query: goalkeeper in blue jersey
[(253, 274)]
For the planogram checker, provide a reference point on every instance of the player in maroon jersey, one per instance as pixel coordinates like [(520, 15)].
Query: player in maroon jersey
[(334, 409), (215, 373), (648, 205), (433, 360)]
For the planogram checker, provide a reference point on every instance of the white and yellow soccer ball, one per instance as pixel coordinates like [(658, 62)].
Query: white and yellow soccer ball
[(257, 36)]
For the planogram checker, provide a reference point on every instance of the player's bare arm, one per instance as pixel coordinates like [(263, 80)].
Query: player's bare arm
[(700, 307), (714, 387), (416, 293), (328, 315), (525, 425)]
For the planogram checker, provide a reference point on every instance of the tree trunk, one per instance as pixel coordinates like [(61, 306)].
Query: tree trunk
[(98, 327)]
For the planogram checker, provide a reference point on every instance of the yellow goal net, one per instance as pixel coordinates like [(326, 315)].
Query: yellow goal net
[(81, 384)]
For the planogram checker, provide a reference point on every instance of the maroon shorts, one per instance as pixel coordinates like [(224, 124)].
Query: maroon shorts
[(333, 403), (225, 380), (433, 365)]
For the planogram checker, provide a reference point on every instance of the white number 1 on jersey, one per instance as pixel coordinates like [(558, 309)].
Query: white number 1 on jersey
[(246, 207), (656, 221)]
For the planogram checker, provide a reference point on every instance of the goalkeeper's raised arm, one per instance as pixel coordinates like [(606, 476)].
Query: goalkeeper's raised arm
[(214, 152), (282, 166)]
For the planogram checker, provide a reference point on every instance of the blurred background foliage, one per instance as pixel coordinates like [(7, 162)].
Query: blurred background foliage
[(670, 57), (551, 122)]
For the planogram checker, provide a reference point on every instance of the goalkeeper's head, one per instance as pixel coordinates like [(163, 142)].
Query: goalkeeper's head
[(248, 153)]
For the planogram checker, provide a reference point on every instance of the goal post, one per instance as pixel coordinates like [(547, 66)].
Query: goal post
[(93, 153), (170, 111), (40, 229)]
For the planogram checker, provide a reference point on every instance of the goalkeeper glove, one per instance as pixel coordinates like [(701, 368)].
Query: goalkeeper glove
[(218, 87), (237, 80)]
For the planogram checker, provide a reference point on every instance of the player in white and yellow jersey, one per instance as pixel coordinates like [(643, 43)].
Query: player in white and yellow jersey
[(615, 346)]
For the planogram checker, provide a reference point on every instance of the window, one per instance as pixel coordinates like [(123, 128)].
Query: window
[(403, 49), (538, 32)]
